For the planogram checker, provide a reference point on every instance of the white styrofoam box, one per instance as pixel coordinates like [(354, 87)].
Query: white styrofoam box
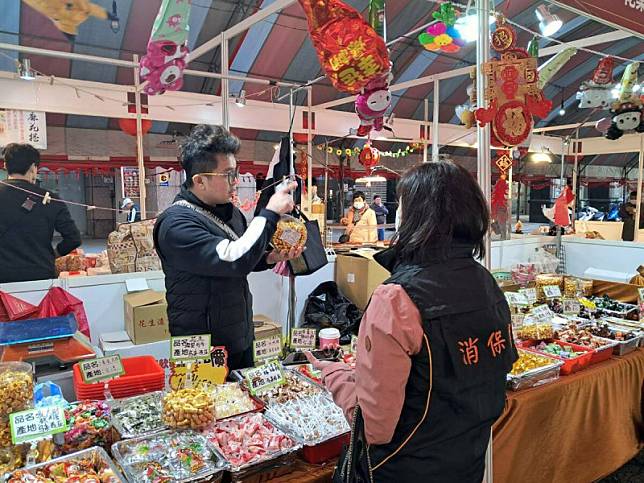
[(608, 275)]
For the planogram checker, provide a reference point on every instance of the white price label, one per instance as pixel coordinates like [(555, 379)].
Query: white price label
[(262, 378), (190, 348), (267, 348), (530, 295), (303, 338), (517, 320), (38, 423), (101, 368), (552, 291), (640, 292), (516, 299), (571, 306), (542, 314)]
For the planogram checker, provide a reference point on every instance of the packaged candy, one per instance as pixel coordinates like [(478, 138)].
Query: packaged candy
[(89, 425), (16, 387), (231, 400), (138, 415), (188, 408), (290, 233)]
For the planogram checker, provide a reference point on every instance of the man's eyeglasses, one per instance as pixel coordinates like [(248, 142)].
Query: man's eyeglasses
[(231, 176)]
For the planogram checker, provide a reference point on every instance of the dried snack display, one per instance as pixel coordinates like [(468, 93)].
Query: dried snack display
[(188, 408), (311, 420), (16, 387), (138, 415), (168, 456), (580, 336), (528, 362), (601, 329), (307, 371), (89, 466), (290, 233), (248, 440), (559, 350), (607, 306), (532, 370), (231, 400), (89, 425), (295, 387), (535, 331), (546, 280)]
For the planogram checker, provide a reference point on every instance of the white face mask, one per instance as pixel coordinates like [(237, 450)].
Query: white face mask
[(399, 216), (358, 205)]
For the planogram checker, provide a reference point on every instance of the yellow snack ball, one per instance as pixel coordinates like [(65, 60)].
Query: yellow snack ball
[(290, 233)]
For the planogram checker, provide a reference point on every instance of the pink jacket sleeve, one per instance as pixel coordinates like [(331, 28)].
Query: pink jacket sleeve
[(390, 333)]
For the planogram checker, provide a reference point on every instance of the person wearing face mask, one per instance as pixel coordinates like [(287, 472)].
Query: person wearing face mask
[(361, 221), (27, 224)]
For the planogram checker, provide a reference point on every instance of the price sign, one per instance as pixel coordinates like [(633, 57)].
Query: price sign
[(541, 314), (190, 348), (552, 291), (267, 348), (516, 299), (517, 320), (530, 295), (354, 344), (35, 424), (262, 378), (571, 306), (590, 305), (303, 338), (640, 293), (101, 368)]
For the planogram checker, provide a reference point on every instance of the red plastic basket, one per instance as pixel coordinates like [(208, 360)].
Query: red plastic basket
[(601, 355), (326, 451), (142, 374), (570, 366)]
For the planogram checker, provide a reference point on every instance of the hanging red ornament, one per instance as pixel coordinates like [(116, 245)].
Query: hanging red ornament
[(128, 125), (499, 201), (369, 157)]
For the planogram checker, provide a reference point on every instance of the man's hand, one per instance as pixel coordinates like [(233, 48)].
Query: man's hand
[(282, 201), (277, 256)]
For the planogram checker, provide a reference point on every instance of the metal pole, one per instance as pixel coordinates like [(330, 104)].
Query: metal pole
[(225, 85), (638, 212), (561, 189), (292, 300), (309, 147), (326, 192), (426, 127), (483, 133), (574, 180), (291, 121), (435, 124), (139, 139)]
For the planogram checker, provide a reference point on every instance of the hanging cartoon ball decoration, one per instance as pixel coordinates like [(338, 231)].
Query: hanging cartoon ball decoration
[(596, 92), (369, 157), (627, 113), (442, 35), (128, 125), (371, 105)]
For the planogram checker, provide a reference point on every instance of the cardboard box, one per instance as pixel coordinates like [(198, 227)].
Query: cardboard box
[(357, 275), (265, 327), (112, 343), (146, 316)]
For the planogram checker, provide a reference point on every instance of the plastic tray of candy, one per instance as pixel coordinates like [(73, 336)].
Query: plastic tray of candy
[(309, 420), (138, 416), (168, 456), (94, 458), (251, 404), (246, 433), (623, 347), (278, 394), (535, 377)]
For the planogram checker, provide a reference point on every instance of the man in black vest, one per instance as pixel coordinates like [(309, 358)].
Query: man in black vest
[(207, 250)]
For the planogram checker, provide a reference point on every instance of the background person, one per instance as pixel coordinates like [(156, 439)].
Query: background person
[(627, 212), (359, 221), (435, 343), (134, 212), (381, 215), (27, 225), (207, 250)]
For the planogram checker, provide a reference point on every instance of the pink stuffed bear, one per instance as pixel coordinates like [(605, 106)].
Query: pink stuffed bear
[(372, 104), (162, 67)]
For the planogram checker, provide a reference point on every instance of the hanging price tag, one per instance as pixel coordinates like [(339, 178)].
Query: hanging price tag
[(354, 344), (552, 291), (530, 295), (190, 348), (541, 314), (303, 338), (516, 299), (571, 306), (267, 348), (262, 378), (38, 423), (101, 368)]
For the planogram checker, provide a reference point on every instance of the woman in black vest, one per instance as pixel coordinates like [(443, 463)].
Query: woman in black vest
[(435, 343)]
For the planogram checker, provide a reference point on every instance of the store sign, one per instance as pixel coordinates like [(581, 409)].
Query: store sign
[(303, 338), (101, 368), (262, 378), (23, 127), (164, 179), (571, 306), (516, 299), (625, 14), (38, 423), (130, 182), (530, 295), (267, 348), (190, 348), (552, 291)]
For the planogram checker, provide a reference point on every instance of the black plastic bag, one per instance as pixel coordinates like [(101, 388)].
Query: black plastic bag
[(327, 307)]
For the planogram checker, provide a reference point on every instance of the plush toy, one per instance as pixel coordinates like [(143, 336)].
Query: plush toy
[(596, 93), (163, 65), (372, 104), (442, 35), (67, 15), (626, 116)]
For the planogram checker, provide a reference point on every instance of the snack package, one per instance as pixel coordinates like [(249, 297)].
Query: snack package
[(89, 425), (291, 233)]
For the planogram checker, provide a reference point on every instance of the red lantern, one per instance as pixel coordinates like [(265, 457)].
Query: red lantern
[(128, 125), (301, 137), (369, 157)]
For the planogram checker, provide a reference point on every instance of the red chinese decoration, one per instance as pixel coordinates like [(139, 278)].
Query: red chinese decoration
[(128, 126), (562, 217), (512, 92), (301, 166), (499, 201), (369, 157), (350, 51)]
